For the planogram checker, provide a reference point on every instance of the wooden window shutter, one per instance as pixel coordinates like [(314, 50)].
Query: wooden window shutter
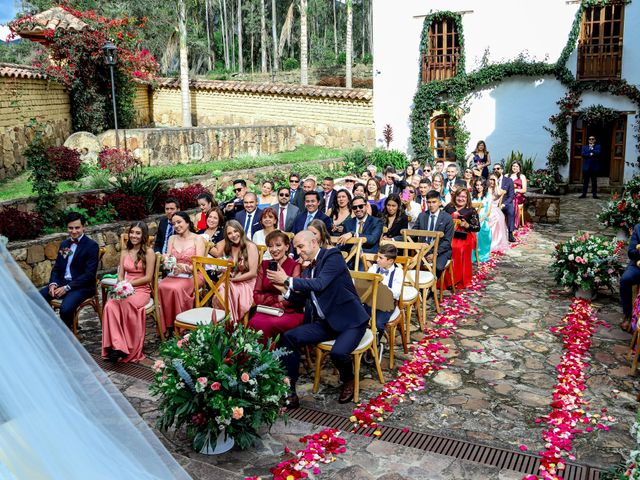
[(600, 43), (443, 52)]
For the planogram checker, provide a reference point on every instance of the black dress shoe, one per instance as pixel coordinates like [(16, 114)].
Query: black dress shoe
[(115, 355), (511, 237), (582, 196), (346, 395), (292, 403), (596, 197)]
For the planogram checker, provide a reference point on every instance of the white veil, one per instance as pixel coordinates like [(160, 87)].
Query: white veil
[(60, 415)]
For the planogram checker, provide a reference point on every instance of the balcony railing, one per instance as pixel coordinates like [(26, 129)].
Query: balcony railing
[(439, 66), (599, 61)]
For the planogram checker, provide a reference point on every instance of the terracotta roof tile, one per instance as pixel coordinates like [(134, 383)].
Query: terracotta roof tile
[(273, 88), (19, 71), (56, 18)]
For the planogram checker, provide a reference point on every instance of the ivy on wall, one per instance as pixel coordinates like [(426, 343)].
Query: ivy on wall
[(449, 95)]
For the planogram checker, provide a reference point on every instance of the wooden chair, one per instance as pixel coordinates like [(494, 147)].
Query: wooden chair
[(500, 200), (261, 251), (521, 213), (124, 238), (93, 301), (206, 289), (369, 290), (398, 317), (356, 250), (153, 306)]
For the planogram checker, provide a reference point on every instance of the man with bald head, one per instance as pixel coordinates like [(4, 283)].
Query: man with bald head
[(249, 218), (333, 311)]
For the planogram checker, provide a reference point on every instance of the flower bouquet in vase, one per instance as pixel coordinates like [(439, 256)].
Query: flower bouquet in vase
[(587, 262), (221, 384), (121, 290)]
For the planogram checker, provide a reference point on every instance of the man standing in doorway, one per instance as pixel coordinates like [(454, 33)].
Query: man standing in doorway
[(590, 167)]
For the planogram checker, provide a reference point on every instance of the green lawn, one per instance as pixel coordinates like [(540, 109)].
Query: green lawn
[(20, 186)]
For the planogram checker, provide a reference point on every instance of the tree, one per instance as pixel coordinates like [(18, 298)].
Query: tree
[(240, 61), (349, 46), (209, 51), (274, 55), (263, 38), (184, 64), (304, 53)]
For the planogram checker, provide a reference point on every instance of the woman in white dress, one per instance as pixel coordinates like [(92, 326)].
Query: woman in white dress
[(497, 221)]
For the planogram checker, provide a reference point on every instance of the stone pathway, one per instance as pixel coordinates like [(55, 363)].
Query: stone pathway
[(499, 381)]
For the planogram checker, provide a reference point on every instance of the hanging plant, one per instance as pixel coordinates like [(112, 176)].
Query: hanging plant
[(598, 115)]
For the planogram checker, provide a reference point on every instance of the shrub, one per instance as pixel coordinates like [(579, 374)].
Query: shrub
[(129, 207), (545, 181), (341, 59), (187, 195), (43, 178), (116, 161), (97, 210), (382, 158), (90, 203), (137, 182), (18, 225), (290, 64), (65, 161), (526, 163)]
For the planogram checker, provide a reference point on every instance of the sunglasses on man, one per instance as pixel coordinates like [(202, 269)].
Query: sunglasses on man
[(239, 189), (284, 195), (358, 207)]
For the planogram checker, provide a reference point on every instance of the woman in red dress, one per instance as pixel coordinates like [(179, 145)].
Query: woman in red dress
[(464, 237), (266, 293), (206, 203)]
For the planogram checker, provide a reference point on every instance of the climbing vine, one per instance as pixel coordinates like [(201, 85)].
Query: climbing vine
[(448, 95)]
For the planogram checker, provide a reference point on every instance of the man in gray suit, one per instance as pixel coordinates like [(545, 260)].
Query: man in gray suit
[(285, 211), (437, 220)]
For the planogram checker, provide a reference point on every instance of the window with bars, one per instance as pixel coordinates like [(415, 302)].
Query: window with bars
[(443, 52), (442, 139), (600, 43)]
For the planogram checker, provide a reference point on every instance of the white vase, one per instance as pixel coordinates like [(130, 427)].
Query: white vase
[(584, 294), (622, 235), (222, 444)]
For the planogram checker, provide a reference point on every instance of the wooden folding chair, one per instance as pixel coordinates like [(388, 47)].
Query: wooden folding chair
[(428, 276), (153, 305), (367, 284), (521, 214), (206, 290), (261, 251), (354, 253), (93, 301), (398, 317)]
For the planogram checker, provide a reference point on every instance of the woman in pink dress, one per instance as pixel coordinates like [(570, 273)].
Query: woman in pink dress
[(520, 188), (124, 321), (266, 293), (497, 221), (244, 255), (175, 292)]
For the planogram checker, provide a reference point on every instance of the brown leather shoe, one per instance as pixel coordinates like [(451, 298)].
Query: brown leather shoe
[(346, 395)]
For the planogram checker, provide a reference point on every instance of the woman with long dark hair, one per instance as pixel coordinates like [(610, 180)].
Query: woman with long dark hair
[(480, 160), (520, 188), (464, 237), (394, 218), (341, 211), (481, 195), (124, 321), (206, 203)]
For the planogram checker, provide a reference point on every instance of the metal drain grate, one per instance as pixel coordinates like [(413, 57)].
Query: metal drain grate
[(500, 458), (131, 369)]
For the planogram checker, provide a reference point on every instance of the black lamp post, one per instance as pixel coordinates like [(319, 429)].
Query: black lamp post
[(109, 50)]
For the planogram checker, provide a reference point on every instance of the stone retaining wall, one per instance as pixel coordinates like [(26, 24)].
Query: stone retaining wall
[(541, 208)]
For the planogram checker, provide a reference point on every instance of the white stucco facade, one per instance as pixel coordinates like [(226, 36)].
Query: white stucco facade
[(509, 115)]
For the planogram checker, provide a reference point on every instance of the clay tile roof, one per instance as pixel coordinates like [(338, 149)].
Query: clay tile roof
[(56, 18), (19, 71), (272, 88)]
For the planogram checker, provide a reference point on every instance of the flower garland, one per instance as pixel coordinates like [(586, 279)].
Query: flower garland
[(427, 358), (570, 410)]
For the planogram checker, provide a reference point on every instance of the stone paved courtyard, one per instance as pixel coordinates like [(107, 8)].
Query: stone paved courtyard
[(499, 380)]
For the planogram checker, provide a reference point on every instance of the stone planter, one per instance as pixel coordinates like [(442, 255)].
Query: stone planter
[(542, 208), (585, 294), (222, 444)]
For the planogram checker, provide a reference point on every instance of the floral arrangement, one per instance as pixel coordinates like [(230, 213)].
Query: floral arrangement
[(631, 467), (220, 378), (545, 181), (168, 262), (623, 211), (587, 262), (121, 290)]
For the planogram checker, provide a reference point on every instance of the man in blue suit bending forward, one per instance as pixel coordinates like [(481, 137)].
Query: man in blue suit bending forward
[(333, 311)]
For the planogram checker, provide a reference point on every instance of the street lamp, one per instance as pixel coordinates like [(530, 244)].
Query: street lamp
[(109, 50)]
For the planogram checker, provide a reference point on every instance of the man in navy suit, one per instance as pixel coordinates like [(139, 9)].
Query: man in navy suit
[(590, 166), (629, 278), (73, 278), (392, 182), (362, 225), (165, 228), (286, 212), (333, 311), (308, 185), (250, 216), (310, 212), (506, 184), (437, 220), (328, 194)]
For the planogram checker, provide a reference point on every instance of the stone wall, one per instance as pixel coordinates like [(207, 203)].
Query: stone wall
[(541, 208), (324, 116), (170, 146), (25, 96)]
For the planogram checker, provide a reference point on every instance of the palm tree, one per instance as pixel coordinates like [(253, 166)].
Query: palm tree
[(304, 54), (184, 64), (349, 47)]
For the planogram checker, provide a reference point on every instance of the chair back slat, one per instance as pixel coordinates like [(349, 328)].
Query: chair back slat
[(414, 253), (435, 236), (367, 287), (261, 251), (206, 289), (156, 278), (356, 250)]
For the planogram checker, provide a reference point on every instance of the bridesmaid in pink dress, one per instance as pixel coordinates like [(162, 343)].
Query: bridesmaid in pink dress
[(520, 188), (497, 221), (244, 254), (176, 292), (124, 321)]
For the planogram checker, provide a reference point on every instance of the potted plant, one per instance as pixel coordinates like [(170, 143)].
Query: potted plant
[(586, 263), (544, 182), (221, 383)]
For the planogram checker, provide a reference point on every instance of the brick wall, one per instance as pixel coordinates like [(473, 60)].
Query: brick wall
[(22, 100), (143, 106)]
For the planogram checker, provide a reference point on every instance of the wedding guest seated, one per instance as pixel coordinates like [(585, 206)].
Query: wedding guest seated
[(415, 163), (214, 227), (311, 212), (415, 181), (244, 254), (341, 211), (309, 185), (267, 197), (176, 291), (437, 220), (360, 190), (206, 203), (464, 237), (481, 195), (411, 208), (392, 183), (235, 205), (393, 218), (333, 311), (73, 277), (497, 221), (437, 184), (424, 187), (374, 195), (269, 294), (124, 321), (165, 228), (328, 194), (519, 189), (287, 212), (319, 229), (362, 225), (268, 221), (629, 278), (249, 218), (468, 178), (439, 168)]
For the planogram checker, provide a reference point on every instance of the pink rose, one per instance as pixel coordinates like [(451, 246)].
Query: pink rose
[(158, 365), (238, 413), (202, 380), (179, 343), (215, 386), (287, 381), (244, 377)]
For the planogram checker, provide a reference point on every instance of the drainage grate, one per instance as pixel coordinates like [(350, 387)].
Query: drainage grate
[(131, 369), (500, 458)]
